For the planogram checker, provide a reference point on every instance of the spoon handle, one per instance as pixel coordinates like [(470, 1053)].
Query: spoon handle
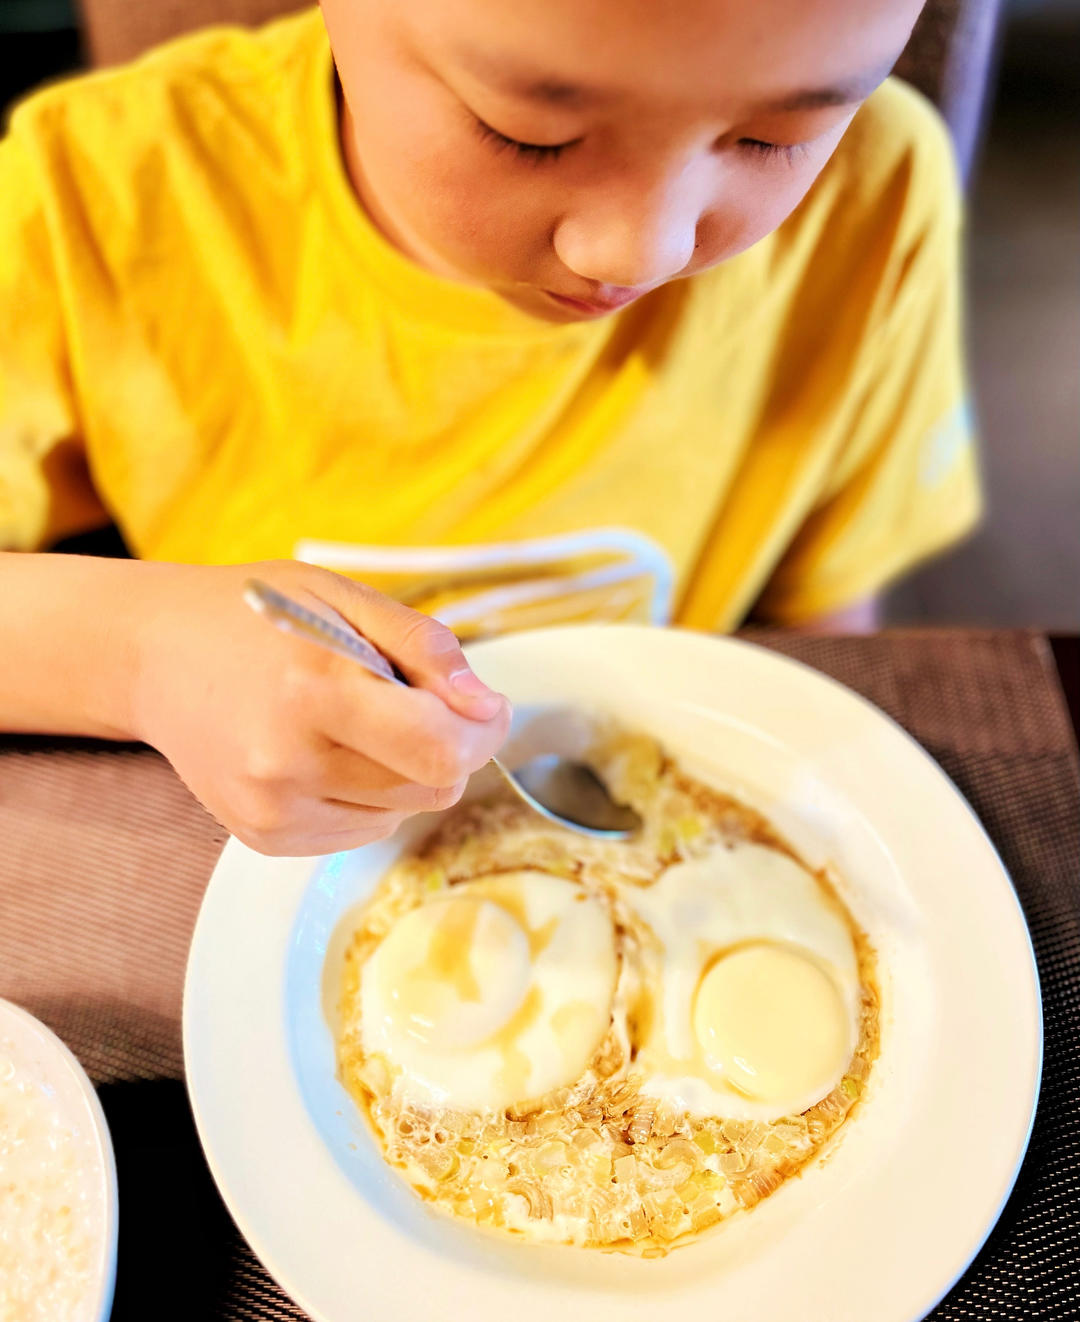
[(291, 617)]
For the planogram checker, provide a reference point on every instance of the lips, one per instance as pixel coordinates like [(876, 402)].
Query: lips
[(596, 307)]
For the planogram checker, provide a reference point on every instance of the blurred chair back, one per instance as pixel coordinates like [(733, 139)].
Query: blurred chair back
[(948, 58), (118, 30)]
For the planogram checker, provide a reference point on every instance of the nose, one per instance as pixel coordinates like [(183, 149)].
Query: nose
[(634, 235)]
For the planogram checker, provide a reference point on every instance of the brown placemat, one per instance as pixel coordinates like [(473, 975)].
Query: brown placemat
[(104, 857)]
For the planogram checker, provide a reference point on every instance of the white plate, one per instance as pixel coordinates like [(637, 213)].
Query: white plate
[(40, 1053), (878, 1232)]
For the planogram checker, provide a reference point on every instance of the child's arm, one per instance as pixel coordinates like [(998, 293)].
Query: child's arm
[(295, 750), (862, 617), (64, 665)]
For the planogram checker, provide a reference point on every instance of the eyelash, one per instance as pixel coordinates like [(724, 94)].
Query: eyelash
[(788, 151), (539, 153), (526, 151)]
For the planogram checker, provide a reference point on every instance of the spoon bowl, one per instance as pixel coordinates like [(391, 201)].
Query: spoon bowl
[(572, 795)]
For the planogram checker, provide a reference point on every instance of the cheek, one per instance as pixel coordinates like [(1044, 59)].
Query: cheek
[(466, 205), (755, 202), (466, 213), (431, 186)]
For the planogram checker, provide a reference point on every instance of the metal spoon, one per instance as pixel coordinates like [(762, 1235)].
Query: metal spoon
[(565, 792)]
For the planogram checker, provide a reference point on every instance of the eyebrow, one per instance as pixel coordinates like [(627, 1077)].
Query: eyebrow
[(531, 86), (845, 93)]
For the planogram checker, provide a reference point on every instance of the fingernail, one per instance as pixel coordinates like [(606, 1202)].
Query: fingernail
[(482, 700)]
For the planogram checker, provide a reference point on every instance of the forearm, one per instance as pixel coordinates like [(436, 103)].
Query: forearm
[(863, 617), (67, 644)]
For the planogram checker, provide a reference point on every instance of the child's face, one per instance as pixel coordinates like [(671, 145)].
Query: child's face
[(573, 154)]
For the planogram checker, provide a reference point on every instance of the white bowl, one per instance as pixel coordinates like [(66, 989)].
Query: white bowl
[(880, 1230), (38, 1051)]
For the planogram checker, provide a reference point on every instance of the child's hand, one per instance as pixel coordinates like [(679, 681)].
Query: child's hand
[(294, 749)]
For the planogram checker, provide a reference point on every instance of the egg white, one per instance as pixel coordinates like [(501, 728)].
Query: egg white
[(539, 971), (732, 895)]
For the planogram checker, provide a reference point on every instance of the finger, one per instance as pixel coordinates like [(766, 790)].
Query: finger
[(304, 846), (297, 828), (332, 844), (426, 652), (352, 778), (412, 732)]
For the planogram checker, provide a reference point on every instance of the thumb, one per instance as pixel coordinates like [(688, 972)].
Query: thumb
[(425, 651)]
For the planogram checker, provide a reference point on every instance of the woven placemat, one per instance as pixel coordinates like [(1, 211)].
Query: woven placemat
[(104, 857)]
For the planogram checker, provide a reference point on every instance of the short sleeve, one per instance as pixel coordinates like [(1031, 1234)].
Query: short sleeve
[(45, 488), (905, 482)]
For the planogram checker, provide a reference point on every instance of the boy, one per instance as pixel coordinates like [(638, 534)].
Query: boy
[(519, 313)]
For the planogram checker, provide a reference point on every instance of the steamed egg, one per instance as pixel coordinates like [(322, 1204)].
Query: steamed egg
[(494, 993), (750, 997)]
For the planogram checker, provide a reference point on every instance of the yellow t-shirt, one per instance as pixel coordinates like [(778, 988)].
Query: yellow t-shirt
[(203, 338)]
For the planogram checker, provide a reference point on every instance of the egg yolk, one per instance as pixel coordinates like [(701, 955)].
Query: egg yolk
[(771, 1021), (453, 972)]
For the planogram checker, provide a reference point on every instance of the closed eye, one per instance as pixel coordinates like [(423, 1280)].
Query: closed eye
[(785, 151), (530, 151)]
